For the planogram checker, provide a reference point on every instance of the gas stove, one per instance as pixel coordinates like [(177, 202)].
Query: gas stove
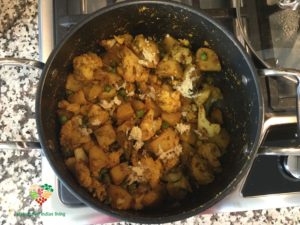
[(272, 182)]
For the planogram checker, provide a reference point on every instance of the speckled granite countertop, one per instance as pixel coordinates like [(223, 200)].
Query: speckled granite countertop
[(20, 169)]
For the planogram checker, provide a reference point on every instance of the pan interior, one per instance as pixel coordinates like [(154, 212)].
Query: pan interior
[(242, 104)]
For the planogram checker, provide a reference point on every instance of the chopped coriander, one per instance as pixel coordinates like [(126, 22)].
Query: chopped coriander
[(123, 158), (68, 153), (140, 113), (132, 187), (69, 92), (107, 201), (63, 119), (103, 175), (85, 121), (113, 69), (122, 92), (164, 125), (107, 88), (203, 56)]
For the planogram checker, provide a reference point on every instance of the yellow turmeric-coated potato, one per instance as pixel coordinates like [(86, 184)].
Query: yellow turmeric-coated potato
[(97, 160), (119, 172), (169, 68), (105, 135), (85, 65), (120, 198), (168, 139), (171, 118), (124, 112), (208, 60)]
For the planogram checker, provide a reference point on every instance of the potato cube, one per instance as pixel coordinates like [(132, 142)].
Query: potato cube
[(124, 112), (114, 158), (189, 137), (150, 104), (105, 135), (169, 68), (83, 174), (94, 92), (171, 118), (120, 198), (138, 105), (80, 155), (164, 142), (73, 84), (151, 198), (71, 162), (97, 160), (207, 60), (78, 98), (119, 173)]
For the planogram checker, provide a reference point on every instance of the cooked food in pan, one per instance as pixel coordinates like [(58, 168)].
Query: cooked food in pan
[(141, 122)]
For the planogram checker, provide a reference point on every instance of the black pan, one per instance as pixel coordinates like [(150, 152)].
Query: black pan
[(242, 106)]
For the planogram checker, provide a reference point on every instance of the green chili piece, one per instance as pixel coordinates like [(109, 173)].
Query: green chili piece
[(122, 92), (107, 88)]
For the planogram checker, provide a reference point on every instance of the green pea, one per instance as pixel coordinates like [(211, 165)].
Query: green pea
[(203, 56), (165, 125), (140, 113), (63, 119)]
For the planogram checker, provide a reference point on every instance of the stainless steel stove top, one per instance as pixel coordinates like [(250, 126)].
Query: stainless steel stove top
[(266, 186)]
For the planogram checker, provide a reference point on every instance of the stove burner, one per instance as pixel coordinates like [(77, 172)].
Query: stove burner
[(291, 166)]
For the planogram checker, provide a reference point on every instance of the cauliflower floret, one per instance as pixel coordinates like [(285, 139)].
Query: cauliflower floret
[(147, 50), (132, 70), (85, 65), (169, 101), (136, 134), (209, 94), (206, 129), (149, 126), (182, 128), (72, 133)]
